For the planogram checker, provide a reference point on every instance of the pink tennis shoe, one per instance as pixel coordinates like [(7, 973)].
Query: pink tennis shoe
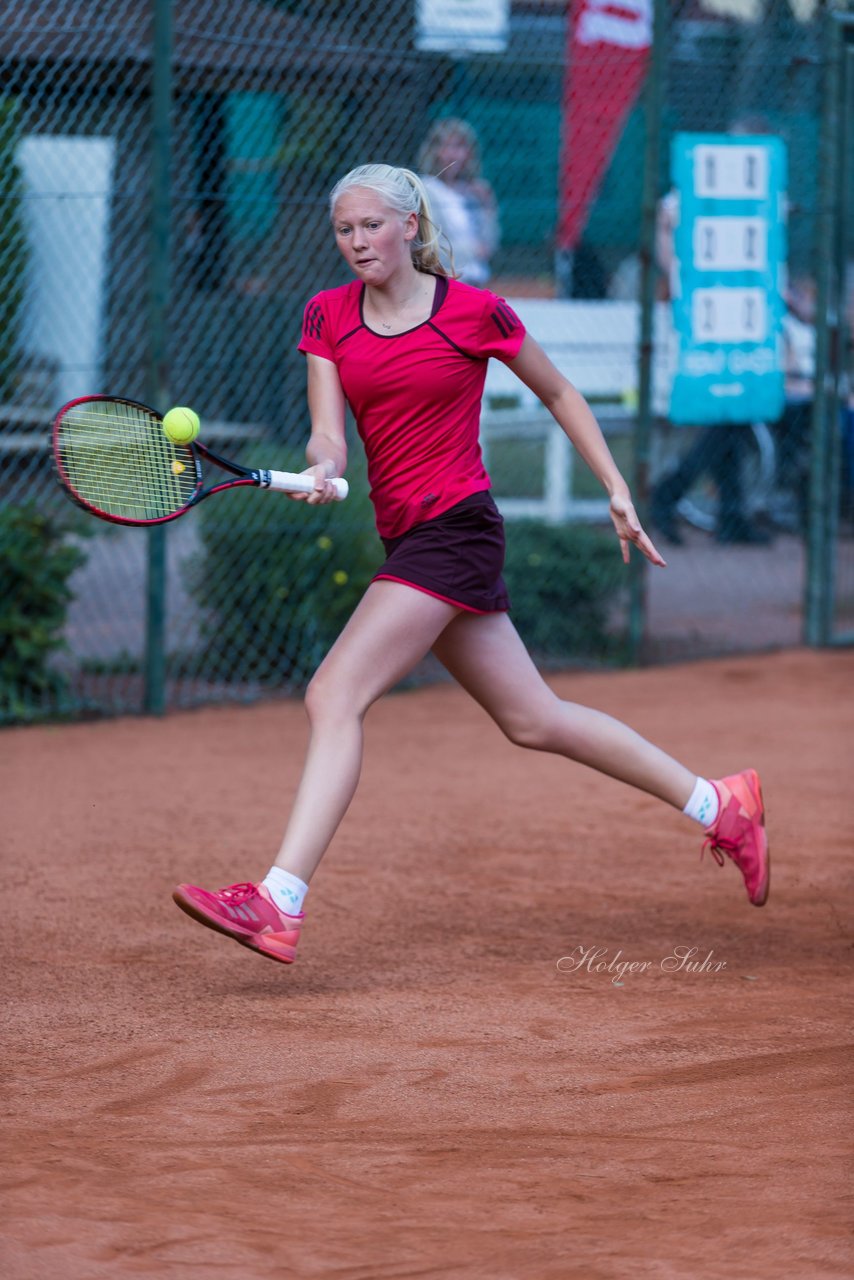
[(247, 913), (739, 832)]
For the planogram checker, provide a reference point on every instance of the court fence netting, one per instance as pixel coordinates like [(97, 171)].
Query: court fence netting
[(164, 176)]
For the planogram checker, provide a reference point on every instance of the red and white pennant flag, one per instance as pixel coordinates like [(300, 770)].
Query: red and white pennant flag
[(607, 54)]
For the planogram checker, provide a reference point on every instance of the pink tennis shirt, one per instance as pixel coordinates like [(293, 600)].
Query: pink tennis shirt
[(416, 395)]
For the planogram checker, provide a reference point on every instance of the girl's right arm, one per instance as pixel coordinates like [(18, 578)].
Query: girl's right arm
[(326, 450)]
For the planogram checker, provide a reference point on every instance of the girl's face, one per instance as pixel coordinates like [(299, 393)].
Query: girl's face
[(453, 158), (373, 238)]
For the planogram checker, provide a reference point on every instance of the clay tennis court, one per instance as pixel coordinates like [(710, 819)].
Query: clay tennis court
[(426, 1093)]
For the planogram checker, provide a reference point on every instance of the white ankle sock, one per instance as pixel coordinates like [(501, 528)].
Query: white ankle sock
[(703, 805), (287, 891)]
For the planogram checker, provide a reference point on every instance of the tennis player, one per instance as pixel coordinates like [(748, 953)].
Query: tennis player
[(406, 346)]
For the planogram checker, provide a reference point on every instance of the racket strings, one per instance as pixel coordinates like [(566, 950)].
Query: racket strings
[(117, 459)]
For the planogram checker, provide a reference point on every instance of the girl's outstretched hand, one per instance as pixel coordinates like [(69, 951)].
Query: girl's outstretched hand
[(629, 530)]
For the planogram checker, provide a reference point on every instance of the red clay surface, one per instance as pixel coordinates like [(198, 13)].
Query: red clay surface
[(424, 1093)]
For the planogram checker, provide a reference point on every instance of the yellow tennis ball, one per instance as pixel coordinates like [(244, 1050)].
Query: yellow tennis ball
[(181, 425)]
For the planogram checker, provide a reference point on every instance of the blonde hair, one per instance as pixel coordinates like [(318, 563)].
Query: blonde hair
[(438, 133), (403, 191)]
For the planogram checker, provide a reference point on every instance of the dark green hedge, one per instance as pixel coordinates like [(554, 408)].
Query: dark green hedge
[(279, 579), (36, 563), (564, 583)]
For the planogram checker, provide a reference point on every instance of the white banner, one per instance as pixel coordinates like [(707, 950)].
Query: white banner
[(462, 26)]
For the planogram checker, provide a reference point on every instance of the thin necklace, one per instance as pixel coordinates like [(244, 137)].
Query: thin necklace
[(405, 300)]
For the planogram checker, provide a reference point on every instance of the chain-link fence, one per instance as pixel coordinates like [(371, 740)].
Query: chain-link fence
[(164, 170)]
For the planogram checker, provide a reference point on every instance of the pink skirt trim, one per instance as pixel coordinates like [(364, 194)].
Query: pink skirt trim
[(388, 577)]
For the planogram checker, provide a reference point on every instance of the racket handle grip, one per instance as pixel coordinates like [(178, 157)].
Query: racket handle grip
[(293, 482)]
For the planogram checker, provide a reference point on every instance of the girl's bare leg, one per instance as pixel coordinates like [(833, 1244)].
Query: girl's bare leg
[(393, 627), (487, 657)]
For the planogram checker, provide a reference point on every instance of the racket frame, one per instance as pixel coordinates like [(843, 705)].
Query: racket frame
[(260, 478)]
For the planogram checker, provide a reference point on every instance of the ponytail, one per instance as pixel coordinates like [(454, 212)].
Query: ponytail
[(403, 191), (425, 246)]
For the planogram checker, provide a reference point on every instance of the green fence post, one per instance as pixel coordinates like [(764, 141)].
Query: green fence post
[(157, 374), (819, 560), (653, 96)]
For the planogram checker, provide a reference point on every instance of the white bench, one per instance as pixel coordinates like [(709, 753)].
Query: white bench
[(595, 345)]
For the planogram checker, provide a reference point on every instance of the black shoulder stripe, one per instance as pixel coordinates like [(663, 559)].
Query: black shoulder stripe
[(501, 324), (509, 316), (313, 320)]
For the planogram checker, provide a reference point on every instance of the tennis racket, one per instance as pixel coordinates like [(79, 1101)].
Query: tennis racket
[(113, 458)]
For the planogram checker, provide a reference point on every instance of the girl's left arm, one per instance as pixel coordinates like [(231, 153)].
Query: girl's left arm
[(575, 417)]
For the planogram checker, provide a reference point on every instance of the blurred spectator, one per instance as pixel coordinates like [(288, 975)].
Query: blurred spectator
[(792, 432), (625, 282), (589, 278), (463, 202)]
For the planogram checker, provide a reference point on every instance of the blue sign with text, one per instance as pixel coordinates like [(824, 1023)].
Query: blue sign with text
[(729, 277)]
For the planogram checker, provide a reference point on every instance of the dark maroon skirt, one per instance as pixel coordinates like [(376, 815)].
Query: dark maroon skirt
[(457, 556)]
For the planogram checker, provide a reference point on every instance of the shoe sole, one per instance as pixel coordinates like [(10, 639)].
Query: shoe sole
[(252, 941), (762, 897), (256, 944)]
